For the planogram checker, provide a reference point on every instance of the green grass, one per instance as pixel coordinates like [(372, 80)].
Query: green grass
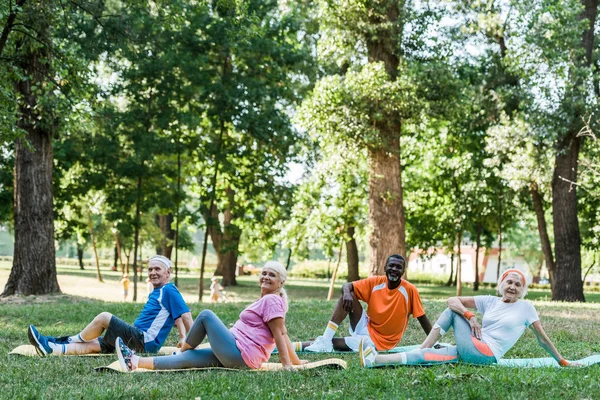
[(572, 327)]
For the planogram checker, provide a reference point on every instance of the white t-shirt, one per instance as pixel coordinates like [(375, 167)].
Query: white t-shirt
[(503, 323)]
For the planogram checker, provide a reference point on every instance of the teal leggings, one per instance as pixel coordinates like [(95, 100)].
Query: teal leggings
[(468, 348)]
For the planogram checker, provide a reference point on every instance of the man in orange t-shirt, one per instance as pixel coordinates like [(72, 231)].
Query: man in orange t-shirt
[(390, 301)]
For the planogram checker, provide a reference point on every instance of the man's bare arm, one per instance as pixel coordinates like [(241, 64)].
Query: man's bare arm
[(425, 324)]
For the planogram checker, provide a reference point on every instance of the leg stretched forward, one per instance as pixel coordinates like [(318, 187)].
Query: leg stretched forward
[(222, 353), (468, 348)]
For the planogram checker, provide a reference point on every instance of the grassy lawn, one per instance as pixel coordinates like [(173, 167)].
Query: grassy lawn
[(573, 328)]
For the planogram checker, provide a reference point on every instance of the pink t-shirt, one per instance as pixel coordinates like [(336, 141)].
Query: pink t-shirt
[(252, 334)]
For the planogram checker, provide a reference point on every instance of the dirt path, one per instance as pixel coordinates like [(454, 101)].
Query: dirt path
[(110, 290)]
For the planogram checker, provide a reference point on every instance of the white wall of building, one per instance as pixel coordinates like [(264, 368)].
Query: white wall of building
[(513, 262), (439, 265)]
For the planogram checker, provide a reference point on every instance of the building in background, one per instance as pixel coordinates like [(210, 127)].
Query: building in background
[(437, 263)]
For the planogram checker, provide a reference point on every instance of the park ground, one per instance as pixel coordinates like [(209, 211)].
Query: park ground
[(573, 328)]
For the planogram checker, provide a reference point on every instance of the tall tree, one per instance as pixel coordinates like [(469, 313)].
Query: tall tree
[(260, 64), (564, 79), (34, 265)]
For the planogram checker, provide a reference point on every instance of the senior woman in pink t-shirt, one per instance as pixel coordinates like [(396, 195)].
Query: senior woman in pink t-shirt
[(247, 344)]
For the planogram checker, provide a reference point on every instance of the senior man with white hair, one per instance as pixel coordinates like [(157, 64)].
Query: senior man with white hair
[(165, 307)]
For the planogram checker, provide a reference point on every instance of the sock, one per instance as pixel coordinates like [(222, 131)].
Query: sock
[(57, 349), (77, 339), (297, 346), (134, 361), (403, 358), (330, 330)]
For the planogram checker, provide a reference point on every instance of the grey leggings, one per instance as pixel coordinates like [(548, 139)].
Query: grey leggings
[(468, 348), (222, 353)]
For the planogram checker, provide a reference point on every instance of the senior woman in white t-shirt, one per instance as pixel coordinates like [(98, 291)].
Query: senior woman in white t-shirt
[(504, 321)]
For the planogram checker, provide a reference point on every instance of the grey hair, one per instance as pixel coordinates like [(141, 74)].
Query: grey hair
[(282, 272), (503, 278)]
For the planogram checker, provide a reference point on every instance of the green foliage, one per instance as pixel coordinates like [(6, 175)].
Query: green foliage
[(355, 107)]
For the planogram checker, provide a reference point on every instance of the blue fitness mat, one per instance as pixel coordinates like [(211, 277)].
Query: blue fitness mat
[(398, 349), (544, 362)]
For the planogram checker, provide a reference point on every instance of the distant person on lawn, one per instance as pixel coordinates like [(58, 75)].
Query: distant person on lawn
[(125, 283), (390, 301), (165, 307)]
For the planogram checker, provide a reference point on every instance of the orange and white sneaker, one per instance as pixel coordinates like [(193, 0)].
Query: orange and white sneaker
[(367, 354)]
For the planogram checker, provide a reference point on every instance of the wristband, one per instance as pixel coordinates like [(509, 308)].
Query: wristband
[(563, 362), (468, 314)]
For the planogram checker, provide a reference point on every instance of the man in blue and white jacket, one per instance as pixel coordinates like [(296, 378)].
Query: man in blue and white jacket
[(165, 307)]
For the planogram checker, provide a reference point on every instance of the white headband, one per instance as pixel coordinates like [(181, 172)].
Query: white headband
[(163, 260)]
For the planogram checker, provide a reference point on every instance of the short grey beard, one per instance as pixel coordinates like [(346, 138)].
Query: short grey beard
[(393, 279)]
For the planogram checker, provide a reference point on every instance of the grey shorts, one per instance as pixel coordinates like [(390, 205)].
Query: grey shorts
[(132, 336)]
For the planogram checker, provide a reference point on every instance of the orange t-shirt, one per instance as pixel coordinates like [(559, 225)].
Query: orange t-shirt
[(388, 310)]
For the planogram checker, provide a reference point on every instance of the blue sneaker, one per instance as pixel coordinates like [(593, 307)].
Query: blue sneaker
[(125, 354), (39, 341)]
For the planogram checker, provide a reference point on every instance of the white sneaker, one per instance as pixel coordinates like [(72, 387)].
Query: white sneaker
[(320, 345), (367, 354)]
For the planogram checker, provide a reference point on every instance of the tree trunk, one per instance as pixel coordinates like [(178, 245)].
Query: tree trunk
[(587, 271), (225, 241), (80, 250), (538, 272), (136, 234), (167, 239), (93, 237), (34, 261), (178, 204), (386, 214), (477, 247), (212, 210), (449, 283), (386, 211), (567, 243), (10, 23), (289, 258), (335, 271), (115, 258), (499, 236), (202, 265), (538, 206), (459, 266), (352, 256), (124, 269), (228, 260)]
